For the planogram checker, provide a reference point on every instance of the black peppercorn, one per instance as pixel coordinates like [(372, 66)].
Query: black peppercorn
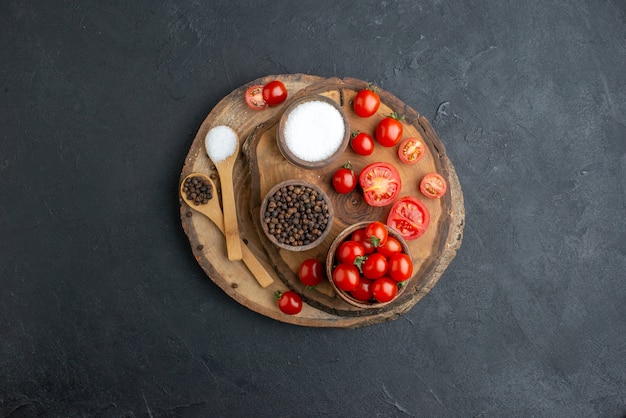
[(296, 215), (198, 190)]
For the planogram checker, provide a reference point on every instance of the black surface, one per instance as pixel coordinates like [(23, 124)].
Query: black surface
[(104, 311)]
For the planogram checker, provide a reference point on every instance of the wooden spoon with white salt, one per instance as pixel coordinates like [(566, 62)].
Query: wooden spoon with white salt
[(222, 146)]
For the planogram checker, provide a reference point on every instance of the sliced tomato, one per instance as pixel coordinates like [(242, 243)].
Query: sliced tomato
[(411, 150), (433, 186), (254, 97), (409, 217), (381, 183)]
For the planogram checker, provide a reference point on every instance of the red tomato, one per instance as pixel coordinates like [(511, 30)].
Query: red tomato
[(375, 266), (400, 267), (384, 289), (254, 97), (348, 251), (274, 93), (366, 102), (289, 302), (433, 185), (363, 291), (376, 232), (344, 179), (381, 183), (409, 217), (411, 150), (390, 247), (389, 130), (359, 236), (362, 143), (346, 276), (311, 272)]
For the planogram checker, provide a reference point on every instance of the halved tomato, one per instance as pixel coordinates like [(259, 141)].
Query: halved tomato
[(433, 186), (254, 97), (409, 217), (411, 150), (381, 183)]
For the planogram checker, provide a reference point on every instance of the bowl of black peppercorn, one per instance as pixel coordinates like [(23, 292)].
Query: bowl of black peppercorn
[(296, 215)]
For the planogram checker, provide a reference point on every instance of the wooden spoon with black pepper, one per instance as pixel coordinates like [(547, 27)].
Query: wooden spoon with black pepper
[(209, 206)]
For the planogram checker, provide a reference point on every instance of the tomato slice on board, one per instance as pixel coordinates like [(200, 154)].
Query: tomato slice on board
[(409, 217), (411, 150), (433, 186), (254, 97), (381, 183)]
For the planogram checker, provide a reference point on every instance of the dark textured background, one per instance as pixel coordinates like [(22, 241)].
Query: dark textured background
[(104, 311)]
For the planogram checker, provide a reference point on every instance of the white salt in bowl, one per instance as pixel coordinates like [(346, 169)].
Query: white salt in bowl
[(313, 132)]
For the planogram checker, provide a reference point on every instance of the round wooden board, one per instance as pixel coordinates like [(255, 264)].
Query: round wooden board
[(260, 165)]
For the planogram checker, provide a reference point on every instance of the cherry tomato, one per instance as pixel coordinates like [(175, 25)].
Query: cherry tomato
[(376, 232), (344, 179), (311, 272), (409, 217), (346, 276), (400, 267), (363, 291), (254, 97), (375, 266), (274, 93), (348, 251), (362, 143), (289, 302), (384, 289), (366, 102), (390, 247), (389, 130), (433, 186), (359, 236), (411, 150), (381, 183)]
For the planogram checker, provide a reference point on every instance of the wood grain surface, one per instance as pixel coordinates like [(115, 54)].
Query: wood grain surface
[(260, 165)]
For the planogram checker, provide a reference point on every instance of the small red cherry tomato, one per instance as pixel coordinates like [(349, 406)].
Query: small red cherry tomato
[(400, 267), (433, 186), (344, 179), (375, 266), (346, 276), (289, 302), (376, 232), (390, 247), (348, 251), (311, 272), (384, 289), (359, 236), (254, 97), (362, 143), (363, 291), (274, 93), (411, 150), (366, 102), (389, 130)]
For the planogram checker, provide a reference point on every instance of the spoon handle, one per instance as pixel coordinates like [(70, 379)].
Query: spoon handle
[(249, 259), (231, 227)]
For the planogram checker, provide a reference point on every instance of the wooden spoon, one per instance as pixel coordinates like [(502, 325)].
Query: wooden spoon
[(222, 146), (213, 211)]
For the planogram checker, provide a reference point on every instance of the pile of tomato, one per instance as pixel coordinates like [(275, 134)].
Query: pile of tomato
[(371, 265)]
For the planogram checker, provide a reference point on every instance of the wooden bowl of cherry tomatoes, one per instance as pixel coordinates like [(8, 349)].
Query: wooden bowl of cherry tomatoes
[(368, 265)]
